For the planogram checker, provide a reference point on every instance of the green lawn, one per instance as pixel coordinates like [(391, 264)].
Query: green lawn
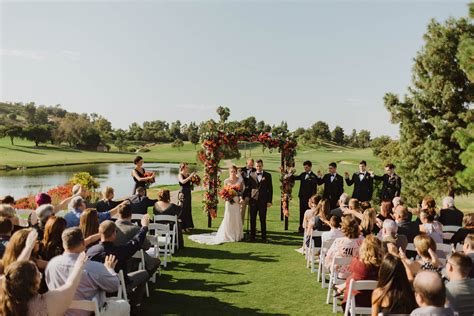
[(239, 278)]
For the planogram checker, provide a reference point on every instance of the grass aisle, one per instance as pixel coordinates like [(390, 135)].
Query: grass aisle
[(239, 278)]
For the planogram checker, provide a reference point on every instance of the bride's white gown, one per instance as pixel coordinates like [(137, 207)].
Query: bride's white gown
[(231, 227)]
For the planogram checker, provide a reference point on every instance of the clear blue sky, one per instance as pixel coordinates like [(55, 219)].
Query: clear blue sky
[(299, 61)]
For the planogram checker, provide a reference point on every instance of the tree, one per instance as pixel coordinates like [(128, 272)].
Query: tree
[(338, 135), (30, 111), (12, 131), (120, 139), (178, 143), (135, 132), (378, 142), (175, 130), (298, 132), (320, 131), (465, 137), (12, 116), (37, 133), (466, 51), (223, 113), (436, 106), (193, 134), (41, 116), (363, 138), (249, 125)]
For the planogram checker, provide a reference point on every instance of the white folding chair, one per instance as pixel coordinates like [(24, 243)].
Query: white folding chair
[(322, 256), (137, 217), (444, 248), (411, 247), (312, 250), (459, 247), (122, 291), (161, 241), (449, 230), (84, 305), (23, 216), (337, 263), (174, 230), (141, 266), (351, 306)]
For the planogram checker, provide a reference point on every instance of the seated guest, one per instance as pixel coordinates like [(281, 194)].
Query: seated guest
[(43, 213), (468, 249), (164, 207), (140, 202), (15, 246), (353, 209), (365, 267), (430, 295), (343, 203), (460, 288), (385, 211), (78, 206), (126, 231), (89, 223), (309, 214), (44, 198), (449, 214), (6, 228), (368, 225), (397, 201), (334, 232), (405, 226), (7, 199), (428, 260), (321, 217), (365, 205), (389, 235), (107, 203), (347, 246), (393, 294), (19, 293), (468, 228), (51, 245), (429, 204), (96, 277), (430, 226), (135, 281), (9, 212)]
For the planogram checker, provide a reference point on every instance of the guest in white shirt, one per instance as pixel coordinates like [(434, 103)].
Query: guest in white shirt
[(96, 279), (334, 232)]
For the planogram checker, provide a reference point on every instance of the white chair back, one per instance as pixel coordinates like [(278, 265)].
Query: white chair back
[(161, 241), (23, 216), (122, 292), (351, 306), (140, 254), (174, 231), (446, 249), (459, 247), (137, 216), (84, 305), (449, 231)]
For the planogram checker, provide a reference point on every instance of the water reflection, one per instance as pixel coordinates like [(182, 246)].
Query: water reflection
[(20, 183)]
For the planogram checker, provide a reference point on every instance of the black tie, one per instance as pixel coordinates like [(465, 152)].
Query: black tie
[(259, 174)]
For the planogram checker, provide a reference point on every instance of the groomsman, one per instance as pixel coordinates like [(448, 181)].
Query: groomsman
[(333, 185), (308, 187), (246, 172), (261, 196), (391, 185), (363, 183)]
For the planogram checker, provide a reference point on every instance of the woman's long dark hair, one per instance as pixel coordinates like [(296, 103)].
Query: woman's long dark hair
[(393, 284), (52, 242), (18, 288)]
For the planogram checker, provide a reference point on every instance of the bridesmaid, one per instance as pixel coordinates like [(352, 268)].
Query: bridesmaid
[(138, 175), (186, 187)]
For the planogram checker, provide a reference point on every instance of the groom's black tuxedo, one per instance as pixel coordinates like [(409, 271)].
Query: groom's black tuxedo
[(333, 188), (308, 187), (261, 193), (362, 188), (245, 172)]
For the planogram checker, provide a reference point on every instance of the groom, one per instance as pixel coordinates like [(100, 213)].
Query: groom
[(261, 196)]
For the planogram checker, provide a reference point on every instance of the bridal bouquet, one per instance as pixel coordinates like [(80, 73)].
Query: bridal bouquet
[(229, 192), (152, 180)]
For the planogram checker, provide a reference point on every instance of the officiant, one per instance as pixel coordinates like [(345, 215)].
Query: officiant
[(308, 187)]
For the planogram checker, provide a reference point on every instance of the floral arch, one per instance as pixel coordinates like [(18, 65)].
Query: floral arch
[(213, 146)]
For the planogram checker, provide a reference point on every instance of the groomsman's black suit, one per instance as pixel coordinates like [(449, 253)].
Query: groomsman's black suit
[(364, 188), (308, 187), (246, 172), (391, 186), (259, 205), (333, 188)]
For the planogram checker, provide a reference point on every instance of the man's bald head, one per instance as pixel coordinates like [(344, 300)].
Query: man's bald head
[(429, 289)]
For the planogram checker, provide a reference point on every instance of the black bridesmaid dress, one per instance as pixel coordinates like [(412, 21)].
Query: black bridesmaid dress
[(138, 184), (186, 215)]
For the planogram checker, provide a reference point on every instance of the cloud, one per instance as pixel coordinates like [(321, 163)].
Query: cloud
[(28, 54), (71, 55)]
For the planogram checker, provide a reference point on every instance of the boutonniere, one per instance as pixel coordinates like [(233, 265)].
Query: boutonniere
[(263, 179)]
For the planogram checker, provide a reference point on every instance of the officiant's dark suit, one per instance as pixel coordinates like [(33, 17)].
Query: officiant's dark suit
[(333, 187), (308, 187), (363, 186), (391, 186), (261, 193)]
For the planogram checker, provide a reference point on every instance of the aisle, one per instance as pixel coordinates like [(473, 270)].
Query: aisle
[(239, 278)]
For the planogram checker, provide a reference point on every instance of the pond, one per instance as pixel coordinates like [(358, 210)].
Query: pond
[(20, 183)]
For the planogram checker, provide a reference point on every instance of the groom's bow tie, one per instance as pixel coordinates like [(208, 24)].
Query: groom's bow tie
[(259, 173)]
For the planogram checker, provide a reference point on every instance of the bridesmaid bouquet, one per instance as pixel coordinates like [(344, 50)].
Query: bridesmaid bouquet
[(147, 174), (196, 180), (229, 192)]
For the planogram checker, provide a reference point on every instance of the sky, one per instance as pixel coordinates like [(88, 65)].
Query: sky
[(294, 61)]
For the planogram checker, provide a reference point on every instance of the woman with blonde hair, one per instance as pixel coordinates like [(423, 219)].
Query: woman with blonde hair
[(428, 260), (365, 267), (107, 202), (368, 224)]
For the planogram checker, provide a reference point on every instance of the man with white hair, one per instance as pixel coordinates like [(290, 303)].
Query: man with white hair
[(430, 295), (343, 203), (388, 234), (398, 200), (449, 214)]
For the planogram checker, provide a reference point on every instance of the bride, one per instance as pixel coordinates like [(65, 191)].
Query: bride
[(231, 227)]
